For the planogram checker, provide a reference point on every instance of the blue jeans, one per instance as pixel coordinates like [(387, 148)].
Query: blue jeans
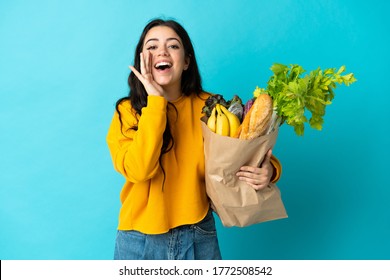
[(189, 242)]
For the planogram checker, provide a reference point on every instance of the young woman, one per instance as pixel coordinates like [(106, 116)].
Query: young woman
[(156, 143)]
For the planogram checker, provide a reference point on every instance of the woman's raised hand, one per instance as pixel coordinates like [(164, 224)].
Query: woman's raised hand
[(146, 76)]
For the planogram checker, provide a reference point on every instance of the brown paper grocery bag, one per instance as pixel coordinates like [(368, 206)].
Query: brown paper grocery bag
[(235, 202)]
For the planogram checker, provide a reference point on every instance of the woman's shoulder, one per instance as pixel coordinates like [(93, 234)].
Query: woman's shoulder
[(124, 106), (203, 95), (126, 111)]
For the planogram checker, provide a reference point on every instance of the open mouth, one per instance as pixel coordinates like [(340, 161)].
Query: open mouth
[(163, 65)]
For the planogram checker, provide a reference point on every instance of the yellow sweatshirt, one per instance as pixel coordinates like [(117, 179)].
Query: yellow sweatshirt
[(148, 205)]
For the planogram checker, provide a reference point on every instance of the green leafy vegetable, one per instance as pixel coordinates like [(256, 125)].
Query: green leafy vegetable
[(294, 94)]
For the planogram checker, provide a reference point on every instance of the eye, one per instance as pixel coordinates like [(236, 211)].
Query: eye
[(174, 46), (151, 47)]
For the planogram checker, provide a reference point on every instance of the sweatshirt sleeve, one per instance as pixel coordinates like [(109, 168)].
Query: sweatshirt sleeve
[(277, 169), (135, 154)]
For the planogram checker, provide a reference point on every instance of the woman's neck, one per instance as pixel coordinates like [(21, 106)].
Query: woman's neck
[(173, 93)]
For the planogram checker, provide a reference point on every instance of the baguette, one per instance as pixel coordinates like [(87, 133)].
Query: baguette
[(257, 119)]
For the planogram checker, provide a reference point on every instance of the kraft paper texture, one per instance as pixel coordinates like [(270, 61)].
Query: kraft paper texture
[(235, 202)]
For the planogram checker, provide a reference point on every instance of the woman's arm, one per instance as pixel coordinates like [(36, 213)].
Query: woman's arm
[(135, 154), (260, 177)]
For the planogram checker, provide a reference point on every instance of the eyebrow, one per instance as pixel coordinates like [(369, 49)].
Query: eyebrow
[(169, 39)]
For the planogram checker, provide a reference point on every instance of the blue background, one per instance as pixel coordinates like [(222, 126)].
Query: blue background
[(63, 64)]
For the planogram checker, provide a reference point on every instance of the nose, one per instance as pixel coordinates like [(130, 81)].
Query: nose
[(163, 51)]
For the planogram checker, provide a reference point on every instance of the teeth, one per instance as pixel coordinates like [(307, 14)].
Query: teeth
[(162, 64)]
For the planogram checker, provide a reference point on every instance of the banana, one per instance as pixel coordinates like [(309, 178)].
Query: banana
[(222, 124), (234, 121), (211, 122)]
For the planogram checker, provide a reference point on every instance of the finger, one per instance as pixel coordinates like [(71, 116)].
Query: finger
[(148, 64), (142, 63), (249, 180), (254, 183), (136, 73), (250, 169), (247, 175), (255, 180)]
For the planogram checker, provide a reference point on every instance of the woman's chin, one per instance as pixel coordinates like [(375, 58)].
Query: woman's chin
[(164, 82)]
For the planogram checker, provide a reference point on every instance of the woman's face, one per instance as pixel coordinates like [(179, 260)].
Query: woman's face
[(167, 58)]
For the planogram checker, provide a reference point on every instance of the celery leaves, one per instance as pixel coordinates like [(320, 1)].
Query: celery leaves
[(294, 94)]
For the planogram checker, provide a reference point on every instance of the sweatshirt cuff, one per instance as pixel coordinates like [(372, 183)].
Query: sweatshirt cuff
[(156, 103), (277, 169)]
